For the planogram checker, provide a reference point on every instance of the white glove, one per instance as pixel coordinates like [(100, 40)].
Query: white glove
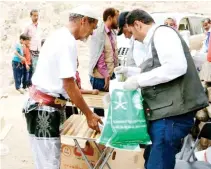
[(131, 83), (127, 71), (121, 70)]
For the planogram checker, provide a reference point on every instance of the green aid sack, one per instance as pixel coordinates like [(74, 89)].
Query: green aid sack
[(125, 126), (107, 131)]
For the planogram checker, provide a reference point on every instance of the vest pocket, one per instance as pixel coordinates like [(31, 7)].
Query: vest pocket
[(163, 97), (155, 106)]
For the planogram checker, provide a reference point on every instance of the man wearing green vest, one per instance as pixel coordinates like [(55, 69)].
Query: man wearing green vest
[(170, 87)]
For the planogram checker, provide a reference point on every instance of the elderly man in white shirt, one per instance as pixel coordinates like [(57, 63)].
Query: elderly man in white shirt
[(170, 86), (53, 84)]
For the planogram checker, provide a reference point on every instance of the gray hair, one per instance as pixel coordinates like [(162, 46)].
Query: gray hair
[(74, 16)]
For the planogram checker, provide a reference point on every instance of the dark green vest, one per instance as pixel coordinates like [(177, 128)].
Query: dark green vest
[(179, 96)]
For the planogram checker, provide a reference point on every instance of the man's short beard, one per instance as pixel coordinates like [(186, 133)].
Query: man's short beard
[(114, 26)]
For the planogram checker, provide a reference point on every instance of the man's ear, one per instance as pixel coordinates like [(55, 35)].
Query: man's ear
[(109, 18), (137, 25), (83, 20)]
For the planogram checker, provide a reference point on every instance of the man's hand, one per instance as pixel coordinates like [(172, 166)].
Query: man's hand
[(131, 83), (93, 120), (27, 67), (95, 92), (106, 86), (23, 59), (121, 70), (127, 71), (74, 93)]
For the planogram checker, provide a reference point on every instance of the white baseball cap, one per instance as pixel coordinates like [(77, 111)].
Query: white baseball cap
[(85, 10)]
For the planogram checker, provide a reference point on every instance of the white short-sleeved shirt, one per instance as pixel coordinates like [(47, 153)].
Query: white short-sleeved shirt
[(57, 60)]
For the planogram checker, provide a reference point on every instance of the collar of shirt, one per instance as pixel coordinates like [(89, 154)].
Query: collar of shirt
[(107, 29), (149, 35), (35, 25)]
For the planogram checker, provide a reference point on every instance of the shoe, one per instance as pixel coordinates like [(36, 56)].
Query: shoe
[(20, 91), (26, 89)]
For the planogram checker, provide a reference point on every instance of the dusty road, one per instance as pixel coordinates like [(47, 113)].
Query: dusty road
[(19, 156)]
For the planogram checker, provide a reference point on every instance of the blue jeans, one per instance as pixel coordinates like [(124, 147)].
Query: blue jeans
[(98, 84), (17, 73), (34, 64), (166, 136), (27, 75)]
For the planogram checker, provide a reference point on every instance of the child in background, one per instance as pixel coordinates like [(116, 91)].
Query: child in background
[(17, 61), (27, 68)]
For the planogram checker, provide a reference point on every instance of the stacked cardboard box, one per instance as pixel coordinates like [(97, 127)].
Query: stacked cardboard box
[(76, 128)]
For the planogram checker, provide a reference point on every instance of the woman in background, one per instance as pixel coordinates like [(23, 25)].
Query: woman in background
[(171, 22)]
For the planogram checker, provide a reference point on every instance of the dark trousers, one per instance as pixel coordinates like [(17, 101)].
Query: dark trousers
[(166, 136), (98, 84), (44, 133), (27, 75), (70, 110), (17, 73), (34, 56)]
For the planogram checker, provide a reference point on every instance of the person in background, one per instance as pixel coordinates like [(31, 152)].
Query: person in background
[(207, 29), (78, 82), (17, 63), (171, 22), (104, 53), (27, 68), (73, 110), (122, 26), (170, 86), (209, 51), (33, 30), (207, 24), (205, 72), (137, 50)]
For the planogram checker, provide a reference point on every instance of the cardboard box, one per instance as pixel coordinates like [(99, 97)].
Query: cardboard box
[(71, 157), (121, 159), (76, 128)]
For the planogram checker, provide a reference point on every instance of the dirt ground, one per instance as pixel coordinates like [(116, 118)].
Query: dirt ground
[(14, 16), (19, 156)]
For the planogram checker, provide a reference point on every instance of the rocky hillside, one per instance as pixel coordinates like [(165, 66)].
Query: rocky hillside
[(15, 15)]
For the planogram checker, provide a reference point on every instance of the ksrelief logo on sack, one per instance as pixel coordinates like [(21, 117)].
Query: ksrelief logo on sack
[(120, 104)]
